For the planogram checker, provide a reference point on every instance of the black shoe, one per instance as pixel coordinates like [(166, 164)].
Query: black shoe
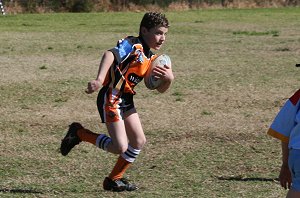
[(129, 186), (71, 139), (118, 185)]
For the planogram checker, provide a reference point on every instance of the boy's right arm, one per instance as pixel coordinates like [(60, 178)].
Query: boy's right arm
[(106, 62)]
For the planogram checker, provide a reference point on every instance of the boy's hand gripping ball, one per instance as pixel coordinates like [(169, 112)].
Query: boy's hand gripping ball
[(150, 81)]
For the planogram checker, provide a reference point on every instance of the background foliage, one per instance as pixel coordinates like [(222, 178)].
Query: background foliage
[(122, 5)]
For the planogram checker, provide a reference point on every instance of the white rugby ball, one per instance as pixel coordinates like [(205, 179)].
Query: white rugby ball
[(150, 81)]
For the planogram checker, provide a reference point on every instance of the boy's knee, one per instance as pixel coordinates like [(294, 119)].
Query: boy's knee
[(139, 144), (142, 142), (121, 149)]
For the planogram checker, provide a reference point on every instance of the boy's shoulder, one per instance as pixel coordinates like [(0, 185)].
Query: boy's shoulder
[(128, 42), (134, 39), (131, 39), (139, 44), (295, 97)]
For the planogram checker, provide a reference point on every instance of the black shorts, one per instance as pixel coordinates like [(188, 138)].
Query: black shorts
[(112, 104)]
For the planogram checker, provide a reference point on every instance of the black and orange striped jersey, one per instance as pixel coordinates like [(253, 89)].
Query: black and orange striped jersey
[(132, 60)]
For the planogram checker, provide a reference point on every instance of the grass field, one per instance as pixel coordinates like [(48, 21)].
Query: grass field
[(206, 137)]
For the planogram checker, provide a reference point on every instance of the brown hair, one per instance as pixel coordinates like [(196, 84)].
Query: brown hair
[(154, 19)]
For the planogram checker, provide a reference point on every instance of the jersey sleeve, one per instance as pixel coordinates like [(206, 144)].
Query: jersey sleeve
[(285, 120)]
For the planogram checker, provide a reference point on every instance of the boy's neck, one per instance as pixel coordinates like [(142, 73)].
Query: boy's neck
[(145, 46)]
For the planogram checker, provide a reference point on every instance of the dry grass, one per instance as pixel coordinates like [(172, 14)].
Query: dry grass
[(206, 136)]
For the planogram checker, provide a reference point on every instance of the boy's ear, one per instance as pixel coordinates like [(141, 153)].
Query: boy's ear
[(144, 30)]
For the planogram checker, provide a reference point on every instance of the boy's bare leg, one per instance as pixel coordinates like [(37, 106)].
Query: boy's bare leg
[(118, 135), (134, 130)]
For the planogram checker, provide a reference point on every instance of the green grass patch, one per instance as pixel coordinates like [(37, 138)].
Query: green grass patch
[(255, 33)]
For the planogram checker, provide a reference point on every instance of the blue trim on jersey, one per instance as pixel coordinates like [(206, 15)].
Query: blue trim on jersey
[(123, 48)]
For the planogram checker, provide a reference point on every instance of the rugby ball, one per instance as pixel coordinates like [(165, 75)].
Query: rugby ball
[(150, 81)]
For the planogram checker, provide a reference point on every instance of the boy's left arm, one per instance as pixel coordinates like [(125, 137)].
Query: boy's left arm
[(285, 178), (165, 74)]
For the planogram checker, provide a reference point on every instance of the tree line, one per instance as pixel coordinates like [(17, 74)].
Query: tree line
[(129, 5)]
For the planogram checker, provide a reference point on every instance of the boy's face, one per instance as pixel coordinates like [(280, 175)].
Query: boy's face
[(154, 37)]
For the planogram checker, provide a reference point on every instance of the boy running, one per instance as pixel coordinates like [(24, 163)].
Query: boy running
[(120, 70)]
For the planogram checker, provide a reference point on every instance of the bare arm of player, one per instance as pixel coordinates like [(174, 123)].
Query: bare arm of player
[(285, 174), (165, 74), (106, 62)]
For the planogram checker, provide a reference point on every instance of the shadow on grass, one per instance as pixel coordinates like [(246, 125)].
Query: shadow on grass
[(21, 191), (238, 178)]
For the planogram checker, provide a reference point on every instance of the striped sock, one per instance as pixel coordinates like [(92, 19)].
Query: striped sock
[(119, 169), (130, 154), (124, 162), (102, 141)]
